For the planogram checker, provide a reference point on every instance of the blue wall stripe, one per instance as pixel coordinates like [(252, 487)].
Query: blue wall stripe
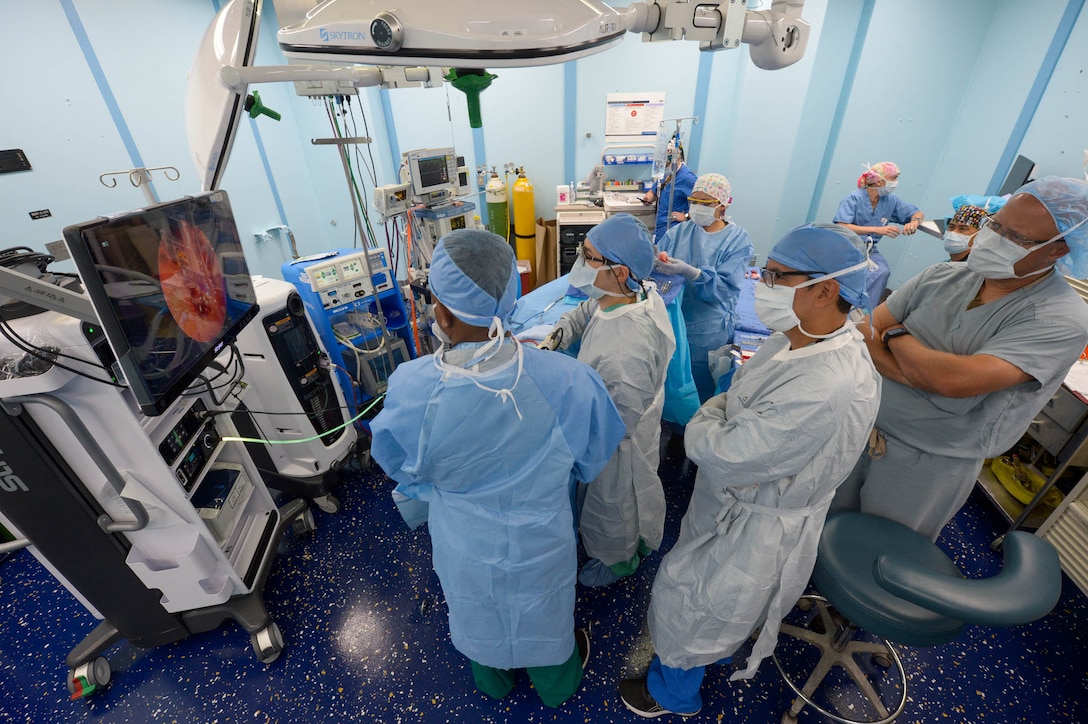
[(268, 171), (1035, 95), (702, 92), (390, 131), (570, 119), (840, 107), (103, 86)]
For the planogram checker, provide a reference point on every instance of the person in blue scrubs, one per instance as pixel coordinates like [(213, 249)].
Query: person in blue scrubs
[(872, 211), (712, 254), (485, 439), (672, 203)]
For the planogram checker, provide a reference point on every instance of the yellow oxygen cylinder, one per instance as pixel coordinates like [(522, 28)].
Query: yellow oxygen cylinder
[(525, 225)]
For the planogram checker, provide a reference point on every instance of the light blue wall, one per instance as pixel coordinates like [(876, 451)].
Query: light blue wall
[(937, 87), (1059, 133)]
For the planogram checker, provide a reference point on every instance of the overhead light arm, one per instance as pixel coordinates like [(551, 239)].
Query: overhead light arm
[(776, 37)]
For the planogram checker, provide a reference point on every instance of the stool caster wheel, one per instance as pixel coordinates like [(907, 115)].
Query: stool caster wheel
[(304, 523), (789, 718), (997, 544), (267, 643), (805, 604), (882, 660), (87, 678)]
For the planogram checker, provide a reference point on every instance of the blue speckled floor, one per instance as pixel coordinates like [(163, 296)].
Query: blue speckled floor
[(362, 614)]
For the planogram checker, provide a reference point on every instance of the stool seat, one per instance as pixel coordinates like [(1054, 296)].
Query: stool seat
[(849, 548), (898, 586)]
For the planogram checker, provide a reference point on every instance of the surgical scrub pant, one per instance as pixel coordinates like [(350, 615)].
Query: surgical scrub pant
[(675, 689), (700, 371), (919, 490), (554, 684)]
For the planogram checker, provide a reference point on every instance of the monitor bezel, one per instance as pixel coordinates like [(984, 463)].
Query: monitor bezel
[(151, 404)]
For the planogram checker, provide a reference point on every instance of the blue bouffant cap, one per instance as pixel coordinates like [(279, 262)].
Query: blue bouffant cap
[(1067, 201), (827, 248), (623, 239), (475, 276)]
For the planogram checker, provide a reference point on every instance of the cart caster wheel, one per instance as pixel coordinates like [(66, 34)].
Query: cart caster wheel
[(997, 544), (87, 678), (304, 523), (882, 660), (788, 718), (267, 643), (328, 503)]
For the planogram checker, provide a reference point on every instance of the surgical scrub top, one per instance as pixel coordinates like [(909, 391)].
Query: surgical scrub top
[(710, 301), (1041, 328), (857, 209), (498, 473)]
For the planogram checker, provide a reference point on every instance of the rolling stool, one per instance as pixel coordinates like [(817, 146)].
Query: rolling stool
[(897, 585)]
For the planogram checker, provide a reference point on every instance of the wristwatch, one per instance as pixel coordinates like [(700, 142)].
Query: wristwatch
[(893, 333)]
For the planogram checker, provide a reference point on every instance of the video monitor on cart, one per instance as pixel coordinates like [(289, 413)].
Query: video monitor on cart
[(171, 289)]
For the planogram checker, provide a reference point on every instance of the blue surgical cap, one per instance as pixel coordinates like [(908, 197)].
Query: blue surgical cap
[(475, 276), (1067, 201), (989, 204), (622, 238), (826, 248)]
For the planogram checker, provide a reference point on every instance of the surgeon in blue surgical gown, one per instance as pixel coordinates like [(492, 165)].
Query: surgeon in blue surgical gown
[(485, 439)]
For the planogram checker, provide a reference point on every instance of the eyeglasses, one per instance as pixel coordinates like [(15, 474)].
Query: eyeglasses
[(586, 255), (1004, 231), (770, 276), (704, 202)]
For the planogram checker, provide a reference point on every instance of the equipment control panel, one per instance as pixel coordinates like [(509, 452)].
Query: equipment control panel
[(343, 279), (190, 445)]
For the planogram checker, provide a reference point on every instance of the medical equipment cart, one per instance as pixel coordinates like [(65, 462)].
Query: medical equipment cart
[(105, 497)]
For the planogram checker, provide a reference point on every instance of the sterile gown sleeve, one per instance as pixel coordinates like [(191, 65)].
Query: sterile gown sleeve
[(574, 322), (774, 439), (395, 444), (589, 420), (722, 281)]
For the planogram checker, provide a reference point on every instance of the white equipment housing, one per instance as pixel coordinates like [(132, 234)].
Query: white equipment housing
[(285, 371)]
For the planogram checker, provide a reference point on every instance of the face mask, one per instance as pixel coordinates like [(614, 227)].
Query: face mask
[(993, 256), (774, 307), (583, 276), (440, 334), (955, 243), (885, 190), (702, 215)]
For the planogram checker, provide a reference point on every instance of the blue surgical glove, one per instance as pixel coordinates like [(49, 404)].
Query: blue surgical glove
[(675, 266)]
